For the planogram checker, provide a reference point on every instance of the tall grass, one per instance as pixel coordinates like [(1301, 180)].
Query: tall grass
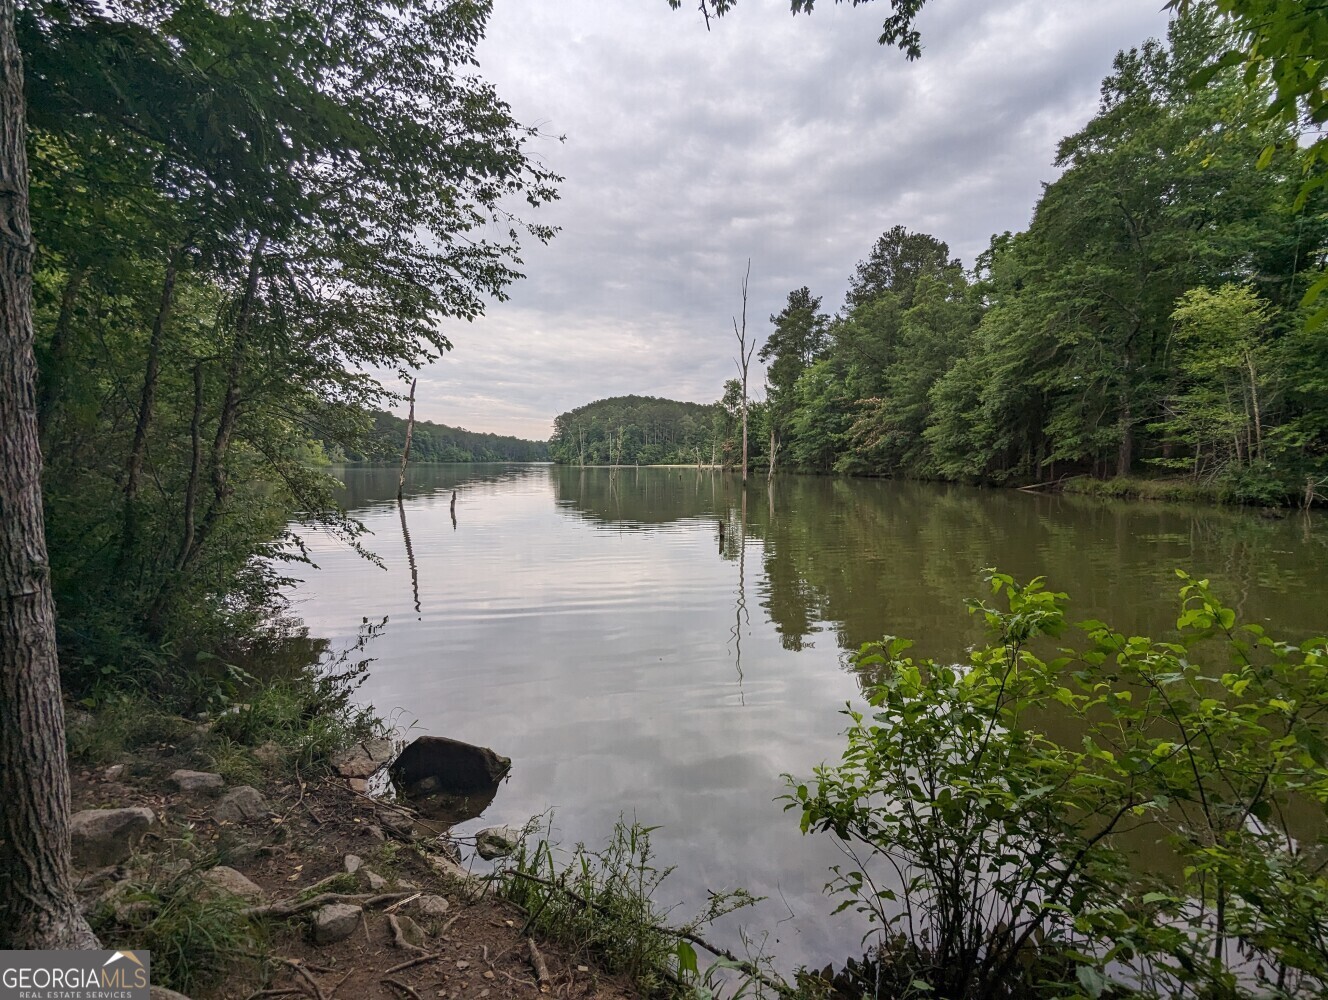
[(600, 904)]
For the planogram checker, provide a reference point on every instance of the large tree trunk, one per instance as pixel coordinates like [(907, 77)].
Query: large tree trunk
[(152, 371), (230, 410), (49, 391), (1254, 403), (1125, 452), (38, 908), (147, 401)]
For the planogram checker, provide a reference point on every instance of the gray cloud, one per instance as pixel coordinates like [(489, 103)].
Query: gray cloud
[(792, 141)]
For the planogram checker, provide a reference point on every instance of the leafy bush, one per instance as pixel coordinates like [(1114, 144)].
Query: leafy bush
[(1257, 484), (987, 843)]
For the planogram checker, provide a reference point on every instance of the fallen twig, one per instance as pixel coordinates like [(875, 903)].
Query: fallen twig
[(284, 992), (340, 981), (541, 969), (379, 802), (300, 801), (292, 907), (304, 973), (401, 986), (402, 902), (413, 962)]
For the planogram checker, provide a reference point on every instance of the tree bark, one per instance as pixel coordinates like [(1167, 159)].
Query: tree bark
[(146, 403), (150, 375), (230, 409), (38, 908), (744, 359), (49, 393), (195, 469), (405, 455), (1254, 401), (1125, 453)]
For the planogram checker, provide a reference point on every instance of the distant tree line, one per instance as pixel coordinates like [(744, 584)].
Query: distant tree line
[(385, 438), (1148, 322), (641, 430)]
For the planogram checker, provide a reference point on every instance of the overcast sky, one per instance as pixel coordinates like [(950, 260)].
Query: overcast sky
[(792, 141)]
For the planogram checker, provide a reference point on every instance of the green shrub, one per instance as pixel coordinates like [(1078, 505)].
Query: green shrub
[(986, 846), (1258, 484)]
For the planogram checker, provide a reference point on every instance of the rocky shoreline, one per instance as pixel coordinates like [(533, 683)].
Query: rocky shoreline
[(299, 884)]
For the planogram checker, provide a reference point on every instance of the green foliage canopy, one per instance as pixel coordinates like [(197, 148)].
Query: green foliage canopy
[(995, 854)]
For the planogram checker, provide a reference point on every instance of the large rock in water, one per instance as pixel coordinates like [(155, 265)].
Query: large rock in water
[(449, 780), (100, 837)]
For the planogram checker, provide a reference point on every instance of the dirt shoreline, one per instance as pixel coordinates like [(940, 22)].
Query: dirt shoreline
[(309, 831)]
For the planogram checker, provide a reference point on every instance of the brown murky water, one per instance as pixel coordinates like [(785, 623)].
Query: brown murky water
[(594, 628)]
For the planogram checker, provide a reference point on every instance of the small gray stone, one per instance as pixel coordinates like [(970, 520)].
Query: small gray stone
[(353, 863), (114, 773), (115, 896), (397, 822), (139, 909), (196, 781), (429, 907), (335, 922), (363, 759), (376, 882), (101, 837), (270, 754), (241, 804), (231, 882), (410, 930), (497, 842), (375, 831)]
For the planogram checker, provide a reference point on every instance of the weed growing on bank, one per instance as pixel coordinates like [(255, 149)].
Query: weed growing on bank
[(296, 721), (601, 904)]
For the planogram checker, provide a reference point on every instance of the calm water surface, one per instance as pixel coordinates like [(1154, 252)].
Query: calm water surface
[(593, 627)]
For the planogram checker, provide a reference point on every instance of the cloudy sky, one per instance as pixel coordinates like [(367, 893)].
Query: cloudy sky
[(794, 142)]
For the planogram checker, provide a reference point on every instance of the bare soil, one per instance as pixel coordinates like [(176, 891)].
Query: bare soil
[(478, 951)]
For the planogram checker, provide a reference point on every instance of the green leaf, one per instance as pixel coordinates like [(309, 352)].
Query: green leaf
[(1092, 980), (687, 958)]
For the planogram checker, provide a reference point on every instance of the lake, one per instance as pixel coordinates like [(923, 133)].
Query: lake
[(595, 627)]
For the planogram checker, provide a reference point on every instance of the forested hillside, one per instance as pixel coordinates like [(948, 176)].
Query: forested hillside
[(1147, 323), (430, 442), (640, 430)]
